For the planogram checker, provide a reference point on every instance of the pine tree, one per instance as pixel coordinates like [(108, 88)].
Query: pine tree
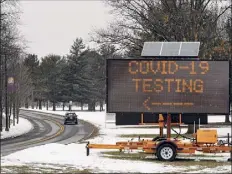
[(32, 64), (74, 72), (51, 72)]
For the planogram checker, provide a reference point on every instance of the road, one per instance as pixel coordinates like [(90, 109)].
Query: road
[(48, 128)]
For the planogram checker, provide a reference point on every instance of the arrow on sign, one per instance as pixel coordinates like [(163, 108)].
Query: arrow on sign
[(145, 104)]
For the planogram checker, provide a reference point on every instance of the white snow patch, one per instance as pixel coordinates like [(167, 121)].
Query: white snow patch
[(219, 169), (217, 118), (23, 127), (6, 170)]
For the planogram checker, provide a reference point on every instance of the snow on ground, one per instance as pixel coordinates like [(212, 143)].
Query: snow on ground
[(217, 118), (219, 169), (23, 127), (75, 154)]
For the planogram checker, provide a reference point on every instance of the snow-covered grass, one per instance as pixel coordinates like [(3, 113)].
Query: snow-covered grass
[(23, 127), (74, 155), (217, 118)]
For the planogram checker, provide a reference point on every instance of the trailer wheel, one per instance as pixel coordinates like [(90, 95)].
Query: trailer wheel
[(166, 152)]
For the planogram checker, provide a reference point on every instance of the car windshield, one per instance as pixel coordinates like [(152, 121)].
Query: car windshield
[(70, 114)]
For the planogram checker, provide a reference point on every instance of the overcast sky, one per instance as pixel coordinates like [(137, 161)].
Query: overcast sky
[(52, 26)]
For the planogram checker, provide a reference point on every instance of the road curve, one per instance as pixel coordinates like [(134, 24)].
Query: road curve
[(48, 128)]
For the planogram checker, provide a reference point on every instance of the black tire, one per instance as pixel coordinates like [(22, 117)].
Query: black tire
[(166, 152), (64, 123)]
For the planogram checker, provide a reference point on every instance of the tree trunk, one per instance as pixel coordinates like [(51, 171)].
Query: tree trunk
[(47, 105), (40, 104), (10, 108), (14, 109), (101, 106), (10, 105), (191, 128), (17, 115), (1, 92), (53, 106), (17, 107), (82, 106), (14, 114), (227, 118), (91, 106), (32, 100), (6, 95), (9, 122), (26, 103)]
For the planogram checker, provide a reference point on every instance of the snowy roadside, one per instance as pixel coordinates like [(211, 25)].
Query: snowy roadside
[(24, 126), (74, 155)]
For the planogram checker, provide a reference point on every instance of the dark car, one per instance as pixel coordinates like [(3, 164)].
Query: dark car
[(70, 117)]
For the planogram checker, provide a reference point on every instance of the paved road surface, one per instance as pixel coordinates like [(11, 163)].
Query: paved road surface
[(46, 130)]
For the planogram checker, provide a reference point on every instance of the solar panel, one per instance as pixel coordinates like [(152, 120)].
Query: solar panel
[(190, 49), (172, 49), (152, 49)]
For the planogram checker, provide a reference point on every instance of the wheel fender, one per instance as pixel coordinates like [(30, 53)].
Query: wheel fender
[(166, 142)]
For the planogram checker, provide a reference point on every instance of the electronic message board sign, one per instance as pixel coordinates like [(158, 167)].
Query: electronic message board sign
[(167, 86)]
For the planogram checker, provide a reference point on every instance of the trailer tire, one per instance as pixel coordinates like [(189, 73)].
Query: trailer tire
[(166, 152)]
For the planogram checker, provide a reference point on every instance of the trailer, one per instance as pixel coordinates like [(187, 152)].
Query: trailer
[(167, 148)]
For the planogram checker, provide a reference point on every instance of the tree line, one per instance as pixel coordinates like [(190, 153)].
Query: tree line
[(78, 76)]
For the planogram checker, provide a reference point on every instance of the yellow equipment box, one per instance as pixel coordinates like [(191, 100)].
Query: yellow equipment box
[(206, 136)]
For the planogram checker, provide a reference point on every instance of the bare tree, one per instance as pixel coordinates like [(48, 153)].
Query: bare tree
[(162, 20), (11, 47)]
